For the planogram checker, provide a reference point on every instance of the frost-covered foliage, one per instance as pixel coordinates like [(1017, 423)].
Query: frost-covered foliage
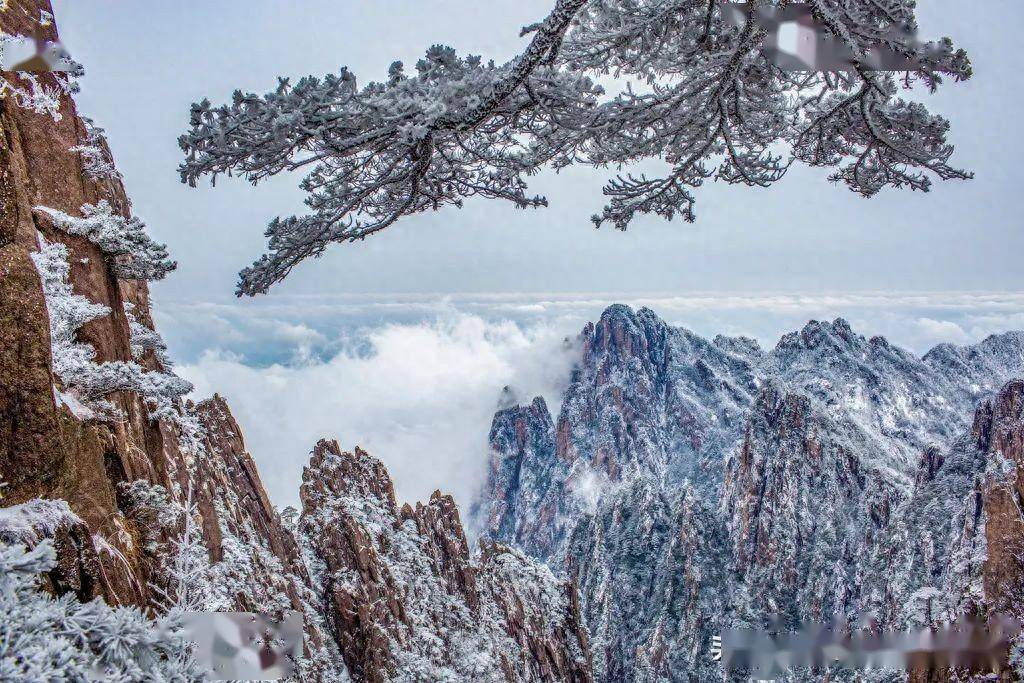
[(191, 583), (141, 495), (74, 362), (30, 92), (701, 96), (652, 578), (96, 161), (245, 565), (43, 638), (144, 339), (830, 476), (136, 255)]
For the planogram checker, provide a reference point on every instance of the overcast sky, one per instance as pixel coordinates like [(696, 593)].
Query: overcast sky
[(401, 342), (147, 61)]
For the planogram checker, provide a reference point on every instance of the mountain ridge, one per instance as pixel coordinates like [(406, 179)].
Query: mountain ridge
[(779, 470)]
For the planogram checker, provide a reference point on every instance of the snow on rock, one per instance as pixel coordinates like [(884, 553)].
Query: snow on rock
[(30, 522), (998, 433), (51, 522), (69, 400), (145, 339), (86, 381), (404, 598), (720, 483)]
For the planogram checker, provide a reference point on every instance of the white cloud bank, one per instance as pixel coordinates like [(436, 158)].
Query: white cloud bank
[(419, 397), (415, 379)]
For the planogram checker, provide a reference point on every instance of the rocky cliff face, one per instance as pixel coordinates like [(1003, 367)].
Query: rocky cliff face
[(101, 455), (692, 485), (407, 602), (999, 435), (44, 449), (120, 473)]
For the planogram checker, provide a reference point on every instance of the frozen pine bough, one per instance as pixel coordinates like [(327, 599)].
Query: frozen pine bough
[(48, 638), (96, 160), (135, 255), (687, 86), (61, 639)]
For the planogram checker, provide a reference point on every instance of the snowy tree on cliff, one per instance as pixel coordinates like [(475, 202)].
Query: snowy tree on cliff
[(701, 96)]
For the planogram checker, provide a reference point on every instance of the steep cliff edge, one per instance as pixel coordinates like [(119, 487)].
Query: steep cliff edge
[(45, 450), (102, 456), (113, 469), (406, 600)]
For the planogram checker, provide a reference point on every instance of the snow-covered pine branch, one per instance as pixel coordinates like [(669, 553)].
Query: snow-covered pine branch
[(136, 255), (701, 95), (96, 161), (43, 638), (61, 639)]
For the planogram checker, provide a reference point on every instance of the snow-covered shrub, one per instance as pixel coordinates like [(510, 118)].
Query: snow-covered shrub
[(74, 363), (72, 360), (96, 162), (150, 502), (34, 520), (61, 639), (160, 390), (183, 583), (145, 339), (189, 572), (137, 256)]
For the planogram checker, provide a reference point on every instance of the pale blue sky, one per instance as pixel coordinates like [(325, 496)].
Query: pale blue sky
[(147, 61)]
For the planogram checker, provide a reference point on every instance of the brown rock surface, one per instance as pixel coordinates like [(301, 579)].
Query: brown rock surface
[(48, 453), (44, 451), (999, 430), (406, 601)]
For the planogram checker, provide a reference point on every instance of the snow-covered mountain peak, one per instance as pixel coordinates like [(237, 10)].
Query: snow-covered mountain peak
[(838, 335), (690, 484)]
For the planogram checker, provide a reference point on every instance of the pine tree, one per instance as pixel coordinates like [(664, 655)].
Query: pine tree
[(701, 96)]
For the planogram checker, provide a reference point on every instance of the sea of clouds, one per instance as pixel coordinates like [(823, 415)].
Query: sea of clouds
[(415, 379)]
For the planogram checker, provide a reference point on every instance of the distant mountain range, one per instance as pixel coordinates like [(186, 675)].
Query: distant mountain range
[(691, 485)]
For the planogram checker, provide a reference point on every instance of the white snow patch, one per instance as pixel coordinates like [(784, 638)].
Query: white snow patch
[(39, 518), (77, 408)]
